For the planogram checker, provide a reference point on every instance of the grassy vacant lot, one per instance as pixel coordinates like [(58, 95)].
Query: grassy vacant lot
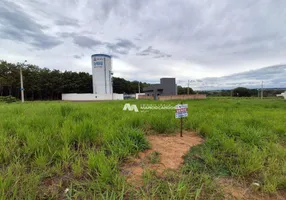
[(47, 147)]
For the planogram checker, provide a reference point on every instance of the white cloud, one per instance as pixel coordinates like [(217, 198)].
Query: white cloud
[(188, 39)]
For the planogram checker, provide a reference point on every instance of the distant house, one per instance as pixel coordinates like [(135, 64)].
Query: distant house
[(166, 87), (129, 96), (282, 95)]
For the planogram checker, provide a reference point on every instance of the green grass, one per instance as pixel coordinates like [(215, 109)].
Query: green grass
[(154, 157), (47, 147)]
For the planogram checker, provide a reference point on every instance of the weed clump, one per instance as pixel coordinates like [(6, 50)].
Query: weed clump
[(154, 157), (8, 99)]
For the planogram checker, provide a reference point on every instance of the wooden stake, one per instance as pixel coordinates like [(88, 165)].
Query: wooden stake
[(181, 134), (181, 127)]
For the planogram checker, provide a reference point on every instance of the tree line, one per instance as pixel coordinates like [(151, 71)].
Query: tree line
[(244, 92), (46, 84), (184, 90)]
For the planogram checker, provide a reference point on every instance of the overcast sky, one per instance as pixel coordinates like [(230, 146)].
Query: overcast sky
[(186, 39)]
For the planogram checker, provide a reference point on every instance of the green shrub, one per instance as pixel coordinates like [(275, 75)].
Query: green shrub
[(8, 99)]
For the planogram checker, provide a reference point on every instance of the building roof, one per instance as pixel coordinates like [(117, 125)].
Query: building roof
[(164, 84), (104, 55)]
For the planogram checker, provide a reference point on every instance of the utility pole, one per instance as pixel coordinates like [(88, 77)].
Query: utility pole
[(21, 79), (139, 87), (188, 87), (262, 90), (112, 87)]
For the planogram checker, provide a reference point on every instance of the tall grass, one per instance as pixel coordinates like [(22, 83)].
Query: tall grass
[(244, 139), (47, 147)]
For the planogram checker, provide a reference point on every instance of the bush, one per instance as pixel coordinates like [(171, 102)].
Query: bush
[(8, 99), (241, 92)]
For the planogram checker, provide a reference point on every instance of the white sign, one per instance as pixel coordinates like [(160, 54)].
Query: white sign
[(181, 110), (98, 62)]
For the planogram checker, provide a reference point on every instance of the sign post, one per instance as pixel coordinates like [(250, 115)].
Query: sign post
[(181, 133), (181, 111)]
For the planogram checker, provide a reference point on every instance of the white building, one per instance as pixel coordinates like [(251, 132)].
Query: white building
[(137, 94), (282, 95), (101, 80)]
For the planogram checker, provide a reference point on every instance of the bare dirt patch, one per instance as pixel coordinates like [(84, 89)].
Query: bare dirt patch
[(170, 150), (234, 190), (54, 186)]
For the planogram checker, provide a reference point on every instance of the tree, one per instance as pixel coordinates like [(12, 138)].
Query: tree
[(241, 92), (121, 85), (184, 90), (9, 74), (46, 84)]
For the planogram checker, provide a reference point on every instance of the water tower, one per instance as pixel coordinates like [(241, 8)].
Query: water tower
[(101, 74), (101, 82)]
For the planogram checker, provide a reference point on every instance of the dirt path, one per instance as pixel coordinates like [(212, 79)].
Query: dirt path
[(166, 153)]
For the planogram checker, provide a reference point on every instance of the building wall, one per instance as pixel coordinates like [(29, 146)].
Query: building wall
[(169, 86), (101, 74), (282, 95), (166, 87), (175, 97), (137, 94), (157, 93), (178, 97), (91, 97), (145, 97)]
